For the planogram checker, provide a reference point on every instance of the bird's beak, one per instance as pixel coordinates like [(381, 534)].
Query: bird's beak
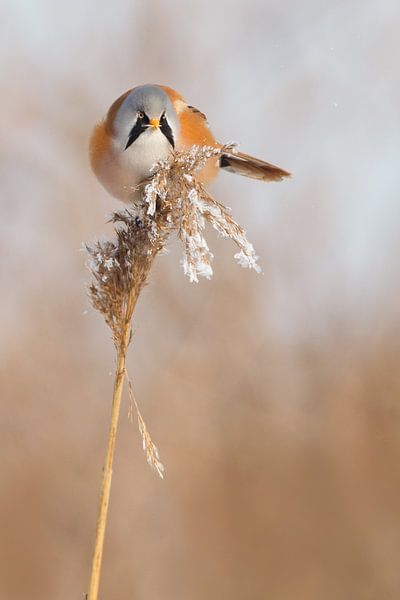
[(155, 123)]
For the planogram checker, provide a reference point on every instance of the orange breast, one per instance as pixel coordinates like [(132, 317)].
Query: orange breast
[(112, 175), (99, 147)]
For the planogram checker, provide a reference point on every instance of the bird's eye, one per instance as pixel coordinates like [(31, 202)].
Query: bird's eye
[(140, 114), (163, 117)]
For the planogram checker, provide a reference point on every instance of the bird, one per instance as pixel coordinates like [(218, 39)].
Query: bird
[(146, 125)]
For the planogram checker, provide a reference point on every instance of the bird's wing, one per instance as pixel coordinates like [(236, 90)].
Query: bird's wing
[(194, 131)]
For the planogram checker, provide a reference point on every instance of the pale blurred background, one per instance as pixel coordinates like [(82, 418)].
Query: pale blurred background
[(273, 399)]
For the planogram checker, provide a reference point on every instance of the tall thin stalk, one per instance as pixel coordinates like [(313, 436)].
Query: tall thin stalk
[(120, 270), (173, 200), (108, 462)]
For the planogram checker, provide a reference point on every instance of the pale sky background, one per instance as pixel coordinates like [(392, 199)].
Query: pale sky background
[(312, 86)]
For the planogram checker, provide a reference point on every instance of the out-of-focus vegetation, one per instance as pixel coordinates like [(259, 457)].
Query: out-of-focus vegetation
[(273, 399)]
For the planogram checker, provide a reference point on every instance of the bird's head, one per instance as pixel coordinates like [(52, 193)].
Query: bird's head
[(145, 110)]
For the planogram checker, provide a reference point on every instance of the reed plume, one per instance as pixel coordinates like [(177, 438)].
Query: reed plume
[(173, 200)]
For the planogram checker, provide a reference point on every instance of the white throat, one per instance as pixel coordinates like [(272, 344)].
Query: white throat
[(124, 170), (150, 147)]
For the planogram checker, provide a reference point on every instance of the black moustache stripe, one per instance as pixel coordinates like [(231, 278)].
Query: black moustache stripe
[(167, 131), (136, 130), (142, 124)]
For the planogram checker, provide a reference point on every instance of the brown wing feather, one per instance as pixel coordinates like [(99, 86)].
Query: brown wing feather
[(249, 166)]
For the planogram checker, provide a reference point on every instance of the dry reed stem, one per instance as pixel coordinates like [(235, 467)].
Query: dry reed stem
[(107, 475), (105, 490), (173, 200)]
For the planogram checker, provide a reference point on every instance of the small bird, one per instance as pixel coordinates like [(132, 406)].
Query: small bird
[(145, 125)]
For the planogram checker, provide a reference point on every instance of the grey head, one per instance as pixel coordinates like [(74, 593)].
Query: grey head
[(146, 108)]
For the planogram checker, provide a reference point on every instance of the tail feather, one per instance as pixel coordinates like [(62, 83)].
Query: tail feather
[(246, 165)]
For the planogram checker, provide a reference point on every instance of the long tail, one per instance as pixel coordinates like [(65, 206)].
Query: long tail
[(246, 165)]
